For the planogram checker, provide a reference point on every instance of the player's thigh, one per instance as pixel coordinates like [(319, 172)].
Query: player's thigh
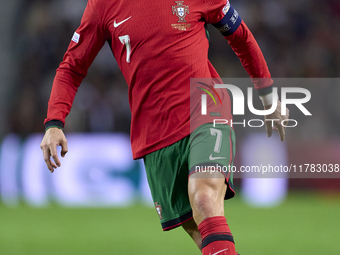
[(212, 151), (167, 173)]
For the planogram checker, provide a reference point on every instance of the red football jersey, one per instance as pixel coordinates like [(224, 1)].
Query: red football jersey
[(159, 46)]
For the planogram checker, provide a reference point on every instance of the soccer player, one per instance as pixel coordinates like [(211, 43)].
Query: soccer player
[(159, 46)]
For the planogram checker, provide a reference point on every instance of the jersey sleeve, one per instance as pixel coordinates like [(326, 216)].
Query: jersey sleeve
[(248, 51), (228, 22), (86, 42), (213, 10)]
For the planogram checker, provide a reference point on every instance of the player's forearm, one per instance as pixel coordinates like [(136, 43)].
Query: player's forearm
[(248, 51), (64, 89)]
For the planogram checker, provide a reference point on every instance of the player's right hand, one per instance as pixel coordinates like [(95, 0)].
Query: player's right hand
[(53, 137)]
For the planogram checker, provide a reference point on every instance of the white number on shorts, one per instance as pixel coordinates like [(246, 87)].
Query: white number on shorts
[(218, 134), (125, 39)]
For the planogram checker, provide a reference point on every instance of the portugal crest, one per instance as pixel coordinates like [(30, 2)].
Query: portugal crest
[(180, 10)]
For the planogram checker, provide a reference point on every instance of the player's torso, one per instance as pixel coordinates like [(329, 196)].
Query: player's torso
[(155, 36), (159, 45)]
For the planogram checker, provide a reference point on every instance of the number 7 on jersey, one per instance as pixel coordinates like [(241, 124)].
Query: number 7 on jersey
[(125, 40)]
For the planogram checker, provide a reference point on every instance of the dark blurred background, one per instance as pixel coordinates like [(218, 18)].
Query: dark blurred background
[(299, 38)]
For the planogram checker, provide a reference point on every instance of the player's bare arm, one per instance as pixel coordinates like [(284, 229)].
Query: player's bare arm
[(53, 137)]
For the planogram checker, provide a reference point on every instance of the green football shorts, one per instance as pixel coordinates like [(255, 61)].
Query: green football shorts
[(208, 148)]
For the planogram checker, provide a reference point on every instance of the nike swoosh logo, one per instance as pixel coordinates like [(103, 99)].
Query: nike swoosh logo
[(220, 251), (214, 158), (118, 24)]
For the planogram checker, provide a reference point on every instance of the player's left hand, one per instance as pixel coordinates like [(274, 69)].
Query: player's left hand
[(274, 121)]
